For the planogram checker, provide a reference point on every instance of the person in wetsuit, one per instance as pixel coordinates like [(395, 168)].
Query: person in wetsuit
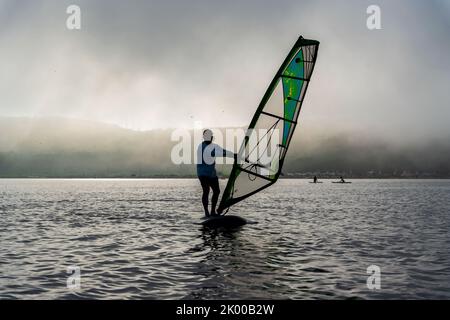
[(206, 170)]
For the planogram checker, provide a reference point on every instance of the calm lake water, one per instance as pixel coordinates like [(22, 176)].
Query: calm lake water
[(136, 239)]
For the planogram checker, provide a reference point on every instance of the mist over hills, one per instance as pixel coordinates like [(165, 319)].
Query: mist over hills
[(69, 148)]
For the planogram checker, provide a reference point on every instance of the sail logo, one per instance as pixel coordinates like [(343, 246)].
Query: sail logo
[(374, 19), (74, 280), (374, 280), (262, 148)]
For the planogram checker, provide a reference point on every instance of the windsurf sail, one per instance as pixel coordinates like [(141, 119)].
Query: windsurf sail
[(262, 153)]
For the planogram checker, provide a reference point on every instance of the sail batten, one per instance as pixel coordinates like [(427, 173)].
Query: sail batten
[(278, 117), (270, 132)]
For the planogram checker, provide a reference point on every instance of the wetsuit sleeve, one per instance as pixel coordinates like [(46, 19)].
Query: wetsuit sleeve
[(224, 153)]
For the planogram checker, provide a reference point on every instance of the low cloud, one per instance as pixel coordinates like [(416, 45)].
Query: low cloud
[(163, 64)]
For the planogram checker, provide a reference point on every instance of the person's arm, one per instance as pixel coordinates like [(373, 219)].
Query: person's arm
[(224, 153)]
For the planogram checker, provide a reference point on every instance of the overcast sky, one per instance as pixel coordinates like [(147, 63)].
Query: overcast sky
[(158, 64)]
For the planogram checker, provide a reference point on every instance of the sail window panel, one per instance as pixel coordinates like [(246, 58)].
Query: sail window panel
[(308, 69), (275, 104), (261, 153), (246, 184), (309, 53)]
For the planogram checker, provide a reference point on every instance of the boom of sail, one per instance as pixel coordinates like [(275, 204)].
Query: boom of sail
[(262, 153)]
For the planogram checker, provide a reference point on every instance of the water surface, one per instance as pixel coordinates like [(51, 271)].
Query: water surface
[(136, 239)]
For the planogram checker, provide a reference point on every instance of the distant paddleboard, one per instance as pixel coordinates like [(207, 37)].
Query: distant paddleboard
[(340, 182), (316, 182)]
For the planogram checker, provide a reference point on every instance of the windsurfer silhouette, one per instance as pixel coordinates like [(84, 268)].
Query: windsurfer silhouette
[(206, 170)]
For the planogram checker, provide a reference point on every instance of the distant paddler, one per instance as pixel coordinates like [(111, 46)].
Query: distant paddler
[(315, 180), (341, 180)]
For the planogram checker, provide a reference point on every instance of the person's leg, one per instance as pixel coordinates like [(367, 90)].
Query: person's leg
[(205, 187), (214, 182)]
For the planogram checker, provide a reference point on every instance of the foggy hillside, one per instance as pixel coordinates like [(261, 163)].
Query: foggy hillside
[(58, 147)]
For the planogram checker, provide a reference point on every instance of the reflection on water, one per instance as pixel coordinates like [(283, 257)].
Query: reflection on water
[(138, 239), (230, 262)]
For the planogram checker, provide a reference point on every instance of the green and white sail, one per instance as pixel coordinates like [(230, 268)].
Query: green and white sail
[(262, 153)]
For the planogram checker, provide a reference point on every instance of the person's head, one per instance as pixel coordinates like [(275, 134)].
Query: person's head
[(208, 135)]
